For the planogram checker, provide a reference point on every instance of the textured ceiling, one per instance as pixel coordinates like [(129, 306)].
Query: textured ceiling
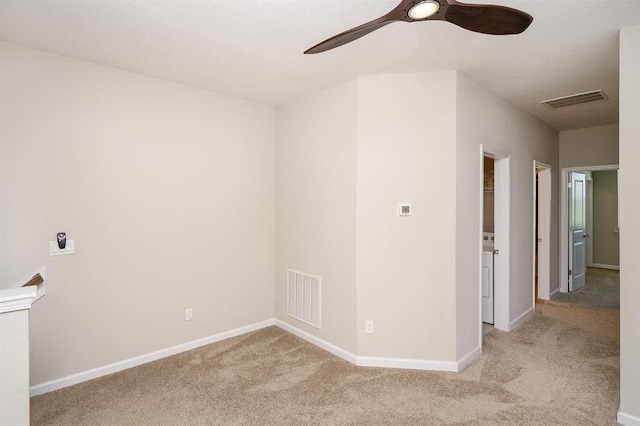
[(253, 49)]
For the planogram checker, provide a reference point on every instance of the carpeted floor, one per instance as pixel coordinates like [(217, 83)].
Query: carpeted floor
[(560, 368)]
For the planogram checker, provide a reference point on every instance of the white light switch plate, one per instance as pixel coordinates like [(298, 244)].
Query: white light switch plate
[(54, 250)]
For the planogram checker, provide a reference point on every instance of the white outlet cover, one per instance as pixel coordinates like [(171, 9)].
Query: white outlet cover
[(54, 250), (368, 326)]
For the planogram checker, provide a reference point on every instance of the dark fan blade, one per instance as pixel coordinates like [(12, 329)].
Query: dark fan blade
[(498, 20), (347, 36), (487, 19), (397, 14)]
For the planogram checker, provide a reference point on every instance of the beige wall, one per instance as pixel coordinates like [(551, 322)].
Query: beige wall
[(484, 118), (168, 192), (172, 198), (629, 213), (606, 242), (406, 268), (593, 146), (406, 265), (315, 206)]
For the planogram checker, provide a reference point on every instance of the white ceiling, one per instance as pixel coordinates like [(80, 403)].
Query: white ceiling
[(252, 49)]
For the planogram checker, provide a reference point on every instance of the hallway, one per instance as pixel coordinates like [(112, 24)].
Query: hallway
[(595, 307)]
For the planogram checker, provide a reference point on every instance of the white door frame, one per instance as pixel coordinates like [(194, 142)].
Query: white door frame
[(564, 218), (589, 224), (502, 231), (542, 218)]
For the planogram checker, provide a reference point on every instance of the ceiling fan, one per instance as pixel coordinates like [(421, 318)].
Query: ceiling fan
[(486, 19)]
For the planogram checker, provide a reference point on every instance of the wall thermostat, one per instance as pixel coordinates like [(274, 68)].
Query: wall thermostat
[(404, 209)]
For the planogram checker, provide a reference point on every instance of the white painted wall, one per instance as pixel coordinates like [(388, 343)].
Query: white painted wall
[(172, 198), (484, 118), (630, 233), (406, 265), (593, 146), (167, 190), (316, 206), (14, 367)]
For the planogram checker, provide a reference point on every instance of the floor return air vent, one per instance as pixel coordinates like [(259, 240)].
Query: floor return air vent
[(304, 297)]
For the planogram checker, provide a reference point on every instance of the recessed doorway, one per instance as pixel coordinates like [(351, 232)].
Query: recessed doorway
[(573, 262), (501, 227), (541, 231)]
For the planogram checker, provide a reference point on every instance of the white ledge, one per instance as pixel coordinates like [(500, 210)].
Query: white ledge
[(16, 299)]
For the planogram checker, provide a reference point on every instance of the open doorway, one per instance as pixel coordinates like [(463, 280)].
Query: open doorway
[(541, 231), (501, 195), (589, 236), (488, 243)]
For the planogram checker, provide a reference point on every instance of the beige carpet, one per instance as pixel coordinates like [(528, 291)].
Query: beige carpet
[(557, 369)]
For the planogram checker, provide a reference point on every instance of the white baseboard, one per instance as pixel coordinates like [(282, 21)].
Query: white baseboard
[(143, 359), (605, 266), (628, 419), (408, 364), (367, 361), (465, 360), (553, 292), (329, 347), (521, 319), (364, 361)]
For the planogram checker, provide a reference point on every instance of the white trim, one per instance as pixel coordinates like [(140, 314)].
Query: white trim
[(564, 219), (479, 242), (323, 344), (83, 376), (19, 291), (402, 363), (502, 261), (553, 292), (604, 266), (407, 364), (627, 419), (466, 360), (522, 318), (589, 217), (16, 299), (382, 362)]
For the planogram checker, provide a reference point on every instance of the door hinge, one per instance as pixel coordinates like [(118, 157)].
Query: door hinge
[(569, 185), (569, 272)]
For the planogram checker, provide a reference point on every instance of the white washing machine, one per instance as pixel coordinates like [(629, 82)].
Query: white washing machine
[(487, 277)]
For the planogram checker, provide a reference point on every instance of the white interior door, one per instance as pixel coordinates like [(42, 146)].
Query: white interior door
[(544, 233), (577, 231), (487, 287)]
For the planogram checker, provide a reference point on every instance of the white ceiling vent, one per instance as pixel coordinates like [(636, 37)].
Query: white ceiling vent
[(580, 98)]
